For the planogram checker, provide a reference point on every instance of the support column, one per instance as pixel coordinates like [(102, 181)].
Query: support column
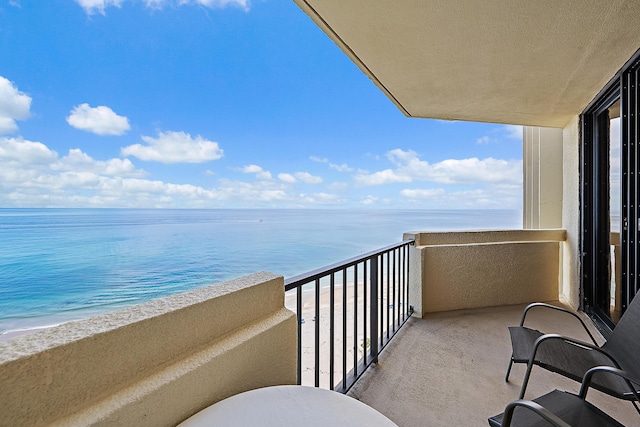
[(542, 180)]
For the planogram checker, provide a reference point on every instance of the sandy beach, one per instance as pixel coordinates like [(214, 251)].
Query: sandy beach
[(355, 341)]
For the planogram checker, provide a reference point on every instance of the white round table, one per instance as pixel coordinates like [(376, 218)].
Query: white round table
[(288, 405)]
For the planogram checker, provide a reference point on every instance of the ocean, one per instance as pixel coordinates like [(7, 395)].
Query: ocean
[(58, 265)]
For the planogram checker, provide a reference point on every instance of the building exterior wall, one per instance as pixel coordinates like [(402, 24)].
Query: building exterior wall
[(542, 155), (153, 364), (570, 290)]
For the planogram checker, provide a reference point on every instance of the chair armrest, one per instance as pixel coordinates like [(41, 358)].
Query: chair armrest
[(532, 406), (549, 337), (586, 381), (578, 343), (561, 309)]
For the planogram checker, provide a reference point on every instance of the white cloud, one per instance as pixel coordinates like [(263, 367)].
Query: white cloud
[(493, 196), (340, 168), (174, 147), (422, 193), (257, 170), (307, 178), (500, 133), (98, 6), (251, 169), (474, 170), (14, 105), (78, 161), (33, 175), (25, 152), (321, 199), (383, 177), (155, 4), (250, 194), (243, 4), (513, 131), (92, 7), (410, 168), (264, 175), (369, 200), (21, 153), (338, 186), (287, 177), (100, 120)]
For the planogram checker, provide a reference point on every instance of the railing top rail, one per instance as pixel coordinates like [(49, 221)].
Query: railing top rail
[(293, 282)]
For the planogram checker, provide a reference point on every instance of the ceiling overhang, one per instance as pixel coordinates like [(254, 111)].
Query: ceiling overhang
[(524, 62)]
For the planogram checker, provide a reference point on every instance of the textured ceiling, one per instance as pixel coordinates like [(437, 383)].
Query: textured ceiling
[(504, 61)]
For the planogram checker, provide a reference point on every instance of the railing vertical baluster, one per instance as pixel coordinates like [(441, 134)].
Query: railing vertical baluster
[(399, 286), (365, 284), (404, 280), (381, 305), (317, 333), (344, 328), (394, 309), (299, 312), (407, 303), (373, 262), (332, 318), (355, 320), (388, 293), (379, 266)]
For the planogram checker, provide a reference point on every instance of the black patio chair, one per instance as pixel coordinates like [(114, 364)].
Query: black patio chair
[(563, 409), (572, 358)]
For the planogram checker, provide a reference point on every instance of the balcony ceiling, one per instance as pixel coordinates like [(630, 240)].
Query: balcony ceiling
[(504, 61)]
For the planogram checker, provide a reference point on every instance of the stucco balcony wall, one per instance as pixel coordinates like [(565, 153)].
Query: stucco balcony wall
[(473, 269), (153, 364)]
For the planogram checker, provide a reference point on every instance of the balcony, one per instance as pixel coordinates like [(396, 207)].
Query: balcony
[(160, 362), (448, 369)]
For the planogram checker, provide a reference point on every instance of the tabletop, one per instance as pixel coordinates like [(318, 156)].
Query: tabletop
[(288, 406)]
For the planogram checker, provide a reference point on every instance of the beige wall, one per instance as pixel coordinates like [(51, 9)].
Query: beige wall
[(154, 364), (460, 270)]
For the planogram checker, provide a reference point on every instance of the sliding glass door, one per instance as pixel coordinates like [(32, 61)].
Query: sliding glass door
[(609, 196)]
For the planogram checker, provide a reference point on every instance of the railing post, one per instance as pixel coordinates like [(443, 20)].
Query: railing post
[(373, 286)]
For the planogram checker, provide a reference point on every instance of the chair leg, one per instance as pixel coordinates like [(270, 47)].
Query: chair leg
[(525, 380), (506, 378)]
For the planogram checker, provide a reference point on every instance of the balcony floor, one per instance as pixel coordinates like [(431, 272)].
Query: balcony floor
[(448, 369)]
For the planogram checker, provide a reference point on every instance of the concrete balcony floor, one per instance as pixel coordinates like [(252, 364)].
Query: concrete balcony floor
[(448, 369)]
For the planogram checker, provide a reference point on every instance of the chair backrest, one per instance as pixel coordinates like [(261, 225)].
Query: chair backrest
[(624, 343)]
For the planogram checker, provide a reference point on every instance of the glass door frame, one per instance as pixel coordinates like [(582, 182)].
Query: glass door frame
[(594, 189)]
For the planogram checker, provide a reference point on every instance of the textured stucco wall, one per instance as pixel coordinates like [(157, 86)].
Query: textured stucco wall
[(460, 270), (155, 363), (482, 236), (570, 290)]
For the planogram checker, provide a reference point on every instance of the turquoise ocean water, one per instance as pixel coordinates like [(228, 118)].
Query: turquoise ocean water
[(64, 264)]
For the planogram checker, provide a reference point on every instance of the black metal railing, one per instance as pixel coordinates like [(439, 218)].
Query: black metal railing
[(347, 313)]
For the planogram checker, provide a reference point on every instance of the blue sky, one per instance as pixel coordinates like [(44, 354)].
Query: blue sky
[(220, 104)]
